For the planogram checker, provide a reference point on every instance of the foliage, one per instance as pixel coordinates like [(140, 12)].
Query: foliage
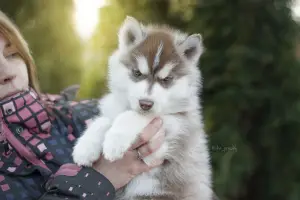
[(251, 97)]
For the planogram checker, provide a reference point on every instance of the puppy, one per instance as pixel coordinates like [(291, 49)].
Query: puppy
[(153, 72)]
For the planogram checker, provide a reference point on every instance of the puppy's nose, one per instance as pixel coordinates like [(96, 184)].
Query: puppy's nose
[(146, 104)]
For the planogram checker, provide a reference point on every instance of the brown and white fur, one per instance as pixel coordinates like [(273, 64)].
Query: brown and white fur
[(153, 73)]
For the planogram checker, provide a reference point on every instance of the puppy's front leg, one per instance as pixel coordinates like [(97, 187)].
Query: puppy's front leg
[(88, 147), (123, 133)]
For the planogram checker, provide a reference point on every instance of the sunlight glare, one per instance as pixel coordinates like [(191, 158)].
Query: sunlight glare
[(87, 16), (296, 8)]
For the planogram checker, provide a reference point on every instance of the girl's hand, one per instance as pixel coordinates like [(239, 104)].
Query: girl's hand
[(120, 172)]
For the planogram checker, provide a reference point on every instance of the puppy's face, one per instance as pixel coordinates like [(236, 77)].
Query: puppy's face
[(152, 70)]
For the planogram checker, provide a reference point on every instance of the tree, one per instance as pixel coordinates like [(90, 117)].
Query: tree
[(252, 97)]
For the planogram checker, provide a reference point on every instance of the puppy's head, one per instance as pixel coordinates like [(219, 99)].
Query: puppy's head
[(155, 67)]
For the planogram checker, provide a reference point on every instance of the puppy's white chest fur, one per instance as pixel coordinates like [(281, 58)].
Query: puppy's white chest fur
[(145, 184), (149, 184)]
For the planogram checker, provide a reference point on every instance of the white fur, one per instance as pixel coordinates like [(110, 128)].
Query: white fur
[(157, 55), (87, 149), (142, 64), (192, 41), (130, 27), (165, 71), (123, 133), (185, 145)]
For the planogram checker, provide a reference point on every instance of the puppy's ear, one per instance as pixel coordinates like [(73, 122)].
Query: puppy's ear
[(130, 33), (191, 48)]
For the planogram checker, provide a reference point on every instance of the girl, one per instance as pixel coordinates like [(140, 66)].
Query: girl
[(37, 133)]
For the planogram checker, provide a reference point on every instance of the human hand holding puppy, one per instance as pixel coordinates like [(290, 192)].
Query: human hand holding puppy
[(121, 171)]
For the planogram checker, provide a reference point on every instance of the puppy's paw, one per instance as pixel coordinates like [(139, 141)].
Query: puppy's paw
[(115, 145), (85, 154), (88, 147), (122, 134)]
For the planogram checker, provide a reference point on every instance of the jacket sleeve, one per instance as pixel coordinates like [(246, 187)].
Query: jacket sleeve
[(73, 183), (75, 115)]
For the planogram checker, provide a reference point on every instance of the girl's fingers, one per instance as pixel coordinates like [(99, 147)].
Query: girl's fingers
[(150, 147), (148, 132)]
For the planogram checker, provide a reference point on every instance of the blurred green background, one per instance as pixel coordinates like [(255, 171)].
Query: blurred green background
[(251, 71)]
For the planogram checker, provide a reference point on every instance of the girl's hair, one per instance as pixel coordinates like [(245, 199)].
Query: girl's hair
[(10, 31)]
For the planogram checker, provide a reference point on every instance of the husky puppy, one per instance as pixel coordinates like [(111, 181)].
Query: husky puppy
[(153, 73)]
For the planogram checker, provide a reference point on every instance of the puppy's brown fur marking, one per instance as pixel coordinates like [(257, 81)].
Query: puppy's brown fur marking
[(158, 46), (150, 46)]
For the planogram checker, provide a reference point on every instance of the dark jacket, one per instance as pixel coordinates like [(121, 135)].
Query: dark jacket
[(36, 140)]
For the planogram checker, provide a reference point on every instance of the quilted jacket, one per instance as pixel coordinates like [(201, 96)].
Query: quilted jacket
[(37, 134)]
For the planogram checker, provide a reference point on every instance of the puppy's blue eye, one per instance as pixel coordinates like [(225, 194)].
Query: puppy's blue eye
[(136, 73), (167, 79)]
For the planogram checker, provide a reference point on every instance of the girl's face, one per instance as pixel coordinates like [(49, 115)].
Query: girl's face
[(13, 70)]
